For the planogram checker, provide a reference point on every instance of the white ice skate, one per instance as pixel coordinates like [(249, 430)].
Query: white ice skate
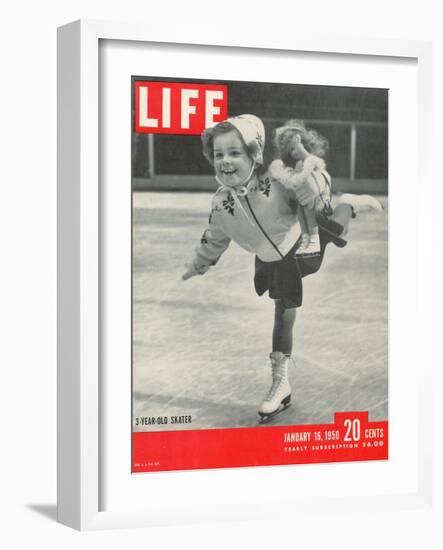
[(360, 203), (279, 396), (310, 246)]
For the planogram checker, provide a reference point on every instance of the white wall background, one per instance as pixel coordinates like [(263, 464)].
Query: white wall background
[(28, 251)]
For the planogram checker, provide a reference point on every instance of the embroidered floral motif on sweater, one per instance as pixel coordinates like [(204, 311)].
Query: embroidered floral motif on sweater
[(228, 204), (264, 186)]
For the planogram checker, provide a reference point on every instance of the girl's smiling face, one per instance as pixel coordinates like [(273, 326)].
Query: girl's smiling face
[(232, 162)]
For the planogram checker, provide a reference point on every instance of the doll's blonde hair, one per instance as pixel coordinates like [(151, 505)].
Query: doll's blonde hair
[(312, 141)]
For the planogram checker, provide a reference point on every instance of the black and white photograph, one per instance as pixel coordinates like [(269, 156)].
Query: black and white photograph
[(260, 262), (134, 353)]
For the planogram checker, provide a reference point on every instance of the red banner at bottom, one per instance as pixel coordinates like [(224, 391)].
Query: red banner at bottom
[(350, 438)]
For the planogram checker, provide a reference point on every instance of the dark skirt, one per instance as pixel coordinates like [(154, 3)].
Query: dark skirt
[(283, 278)]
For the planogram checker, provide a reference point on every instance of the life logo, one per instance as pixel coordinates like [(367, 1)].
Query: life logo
[(178, 107)]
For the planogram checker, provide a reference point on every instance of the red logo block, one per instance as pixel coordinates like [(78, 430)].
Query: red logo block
[(178, 107)]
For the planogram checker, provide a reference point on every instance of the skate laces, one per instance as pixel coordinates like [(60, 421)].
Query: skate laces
[(275, 385), (278, 376)]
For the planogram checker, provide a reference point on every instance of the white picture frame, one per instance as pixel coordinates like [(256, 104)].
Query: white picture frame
[(79, 367)]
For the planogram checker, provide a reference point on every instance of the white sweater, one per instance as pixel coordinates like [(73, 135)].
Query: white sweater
[(269, 207)]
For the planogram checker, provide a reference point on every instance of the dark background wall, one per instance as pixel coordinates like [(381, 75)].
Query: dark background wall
[(354, 120)]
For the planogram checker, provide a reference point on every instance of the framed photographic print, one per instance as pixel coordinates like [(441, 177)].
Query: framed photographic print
[(233, 273), (201, 348)]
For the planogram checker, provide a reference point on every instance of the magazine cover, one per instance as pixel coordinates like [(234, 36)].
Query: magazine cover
[(259, 274)]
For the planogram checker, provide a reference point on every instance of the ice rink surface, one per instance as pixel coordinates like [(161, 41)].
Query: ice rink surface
[(201, 347)]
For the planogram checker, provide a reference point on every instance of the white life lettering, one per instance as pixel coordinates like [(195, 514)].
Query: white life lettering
[(186, 108), (166, 108), (144, 120), (211, 109)]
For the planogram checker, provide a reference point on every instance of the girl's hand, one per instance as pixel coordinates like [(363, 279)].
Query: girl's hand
[(190, 272), (193, 270), (305, 196)]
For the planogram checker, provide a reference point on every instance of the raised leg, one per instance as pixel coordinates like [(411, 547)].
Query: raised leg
[(343, 214)]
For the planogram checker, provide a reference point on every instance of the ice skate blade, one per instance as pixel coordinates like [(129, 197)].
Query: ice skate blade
[(285, 404), (264, 418)]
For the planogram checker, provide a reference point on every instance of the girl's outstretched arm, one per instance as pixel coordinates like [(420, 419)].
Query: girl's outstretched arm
[(212, 245)]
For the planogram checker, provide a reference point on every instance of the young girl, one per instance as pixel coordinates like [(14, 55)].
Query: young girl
[(256, 211)]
